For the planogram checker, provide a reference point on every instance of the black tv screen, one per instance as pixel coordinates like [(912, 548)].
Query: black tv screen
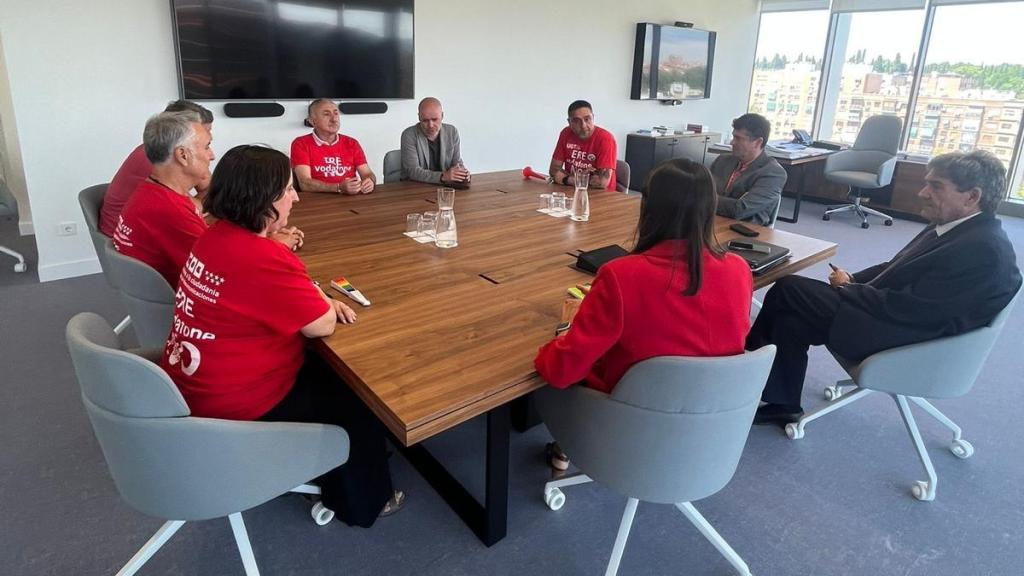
[(672, 63), (295, 49)]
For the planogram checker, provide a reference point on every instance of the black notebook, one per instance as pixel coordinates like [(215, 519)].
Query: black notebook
[(591, 260), (759, 260)]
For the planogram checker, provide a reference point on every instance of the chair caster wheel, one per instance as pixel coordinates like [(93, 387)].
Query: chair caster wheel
[(321, 514), (922, 491), (833, 393), (888, 222), (794, 431), (865, 225), (20, 267), (554, 498), (826, 217), (962, 449)]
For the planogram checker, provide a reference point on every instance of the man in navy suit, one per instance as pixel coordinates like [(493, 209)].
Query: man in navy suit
[(953, 277)]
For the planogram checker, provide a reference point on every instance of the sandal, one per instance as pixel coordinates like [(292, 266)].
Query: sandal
[(394, 504), (556, 458)]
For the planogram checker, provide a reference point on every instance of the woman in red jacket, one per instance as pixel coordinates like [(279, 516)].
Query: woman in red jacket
[(677, 294)]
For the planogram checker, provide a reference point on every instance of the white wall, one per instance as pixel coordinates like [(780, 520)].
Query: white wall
[(86, 75)]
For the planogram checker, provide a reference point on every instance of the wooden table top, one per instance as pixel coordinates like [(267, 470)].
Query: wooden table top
[(452, 333)]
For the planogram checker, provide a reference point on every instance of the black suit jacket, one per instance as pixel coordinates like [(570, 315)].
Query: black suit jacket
[(948, 285), (755, 193)]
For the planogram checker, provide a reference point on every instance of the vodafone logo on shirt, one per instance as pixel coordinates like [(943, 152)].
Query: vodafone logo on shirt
[(196, 283), (332, 168)]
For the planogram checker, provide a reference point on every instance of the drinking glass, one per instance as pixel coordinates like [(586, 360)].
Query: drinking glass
[(582, 179), (545, 203), (428, 223), (557, 202), (412, 224), (445, 198)]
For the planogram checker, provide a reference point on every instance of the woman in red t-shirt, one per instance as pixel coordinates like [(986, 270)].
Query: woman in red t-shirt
[(677, 294), (243, 310)]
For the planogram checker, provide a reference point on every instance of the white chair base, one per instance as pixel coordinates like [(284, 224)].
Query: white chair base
[(555, 499), (170, 527), (860, 210), (923, 490), (20, 265)]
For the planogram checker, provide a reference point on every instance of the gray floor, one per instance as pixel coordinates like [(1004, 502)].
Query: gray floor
[(836, 502)]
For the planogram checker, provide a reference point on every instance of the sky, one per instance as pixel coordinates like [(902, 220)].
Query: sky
[(977, 34)]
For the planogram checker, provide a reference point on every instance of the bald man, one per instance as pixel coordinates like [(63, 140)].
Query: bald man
[(430, 149)]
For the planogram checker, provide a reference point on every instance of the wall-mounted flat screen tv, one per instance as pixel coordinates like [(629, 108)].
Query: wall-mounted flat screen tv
[(295, 49), (672, 63)]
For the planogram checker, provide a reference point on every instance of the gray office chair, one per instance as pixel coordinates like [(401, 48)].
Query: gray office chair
[(168, 464), (393, 166), (91, 201), (621, 176), (146, 294), (868, 165), (775, 213), (672, 431), (9, 208), (942, 368)]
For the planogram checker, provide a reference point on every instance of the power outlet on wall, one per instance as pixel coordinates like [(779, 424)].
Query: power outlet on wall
[(67, 229)]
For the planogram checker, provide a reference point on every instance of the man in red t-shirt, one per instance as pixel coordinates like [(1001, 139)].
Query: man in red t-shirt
[(584, 146), (160, 222), (326, 161), (137, 168)]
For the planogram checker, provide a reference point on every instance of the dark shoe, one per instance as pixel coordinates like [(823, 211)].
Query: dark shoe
[(556, 458), (394, 504), (780, 414)]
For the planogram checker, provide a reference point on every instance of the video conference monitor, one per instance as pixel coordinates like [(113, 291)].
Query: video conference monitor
[(295, 49), (672, 63)]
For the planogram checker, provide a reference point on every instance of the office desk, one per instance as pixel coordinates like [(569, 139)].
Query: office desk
[(452, 333), (793, 166)]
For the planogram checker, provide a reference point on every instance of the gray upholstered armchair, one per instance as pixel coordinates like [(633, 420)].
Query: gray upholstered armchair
[(672, 431), (942, 368), (868, 165), (168, 464)]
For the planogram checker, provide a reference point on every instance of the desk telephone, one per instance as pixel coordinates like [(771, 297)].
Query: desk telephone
[(802, 137)]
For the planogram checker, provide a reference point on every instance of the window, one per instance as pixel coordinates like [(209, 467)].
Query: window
[(877, 71), (980, 82), (966, 93), (787, 69)]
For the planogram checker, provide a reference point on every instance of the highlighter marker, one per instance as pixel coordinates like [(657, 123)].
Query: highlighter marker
[(575, 293), (342, 285)]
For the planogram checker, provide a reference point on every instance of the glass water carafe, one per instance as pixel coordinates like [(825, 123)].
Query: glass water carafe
[(447, 234)]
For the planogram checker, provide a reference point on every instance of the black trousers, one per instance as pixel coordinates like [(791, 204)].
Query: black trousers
[(796, 315), (358, 489)]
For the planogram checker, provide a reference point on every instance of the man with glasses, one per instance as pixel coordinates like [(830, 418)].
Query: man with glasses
[(584, 146), (748, 181)]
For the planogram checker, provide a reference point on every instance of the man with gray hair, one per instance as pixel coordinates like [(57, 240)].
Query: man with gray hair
[(953, 277), (160, 222), (137, 167), (430, 148), (328, 161)]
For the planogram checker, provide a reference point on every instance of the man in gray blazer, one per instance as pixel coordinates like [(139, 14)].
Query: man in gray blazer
[(430, 149), (748, 181)]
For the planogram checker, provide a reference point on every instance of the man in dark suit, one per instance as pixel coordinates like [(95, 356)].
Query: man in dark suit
[(748, 181), (953, 277)]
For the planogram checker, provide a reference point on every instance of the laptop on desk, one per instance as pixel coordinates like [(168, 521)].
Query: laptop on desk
[(761, 257)]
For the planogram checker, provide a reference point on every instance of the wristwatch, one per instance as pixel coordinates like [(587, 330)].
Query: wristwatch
[(565, 180)]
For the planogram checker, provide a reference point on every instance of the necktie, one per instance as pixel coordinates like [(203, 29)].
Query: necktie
[(735, 174), (916, 247)]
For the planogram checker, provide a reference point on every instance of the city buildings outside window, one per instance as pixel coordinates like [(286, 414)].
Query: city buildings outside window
[(787, 69), (970, 92)]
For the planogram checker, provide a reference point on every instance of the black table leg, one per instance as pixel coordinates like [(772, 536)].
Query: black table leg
[(488, 521), (524, 413), (797, 193)]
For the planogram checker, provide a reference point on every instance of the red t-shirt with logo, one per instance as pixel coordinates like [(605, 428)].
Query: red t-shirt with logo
[(133, 171), (596, 152), (331, 163), (158, 226), (235, 347)]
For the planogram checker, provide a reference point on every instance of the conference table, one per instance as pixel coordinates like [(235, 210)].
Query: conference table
[(451, 333)]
